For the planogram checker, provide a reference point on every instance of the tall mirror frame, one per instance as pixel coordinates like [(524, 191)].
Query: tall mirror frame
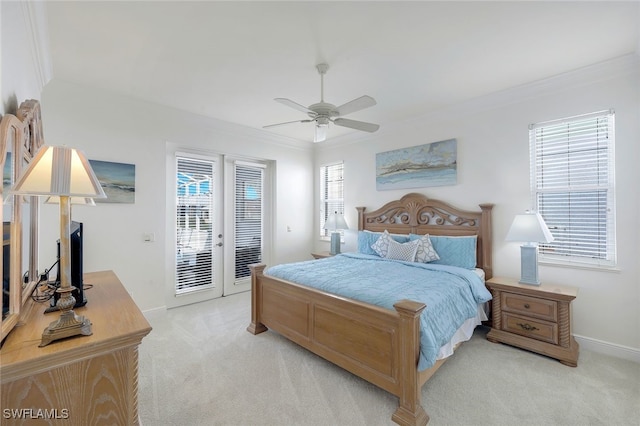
[(21, 136)]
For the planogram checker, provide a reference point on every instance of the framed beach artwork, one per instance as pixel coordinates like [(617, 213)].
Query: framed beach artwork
[(117, 179), (432, 164)]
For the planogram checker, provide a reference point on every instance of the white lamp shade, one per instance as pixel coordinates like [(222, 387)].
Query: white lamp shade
[(59, 170), (335, 221), (529, 227)]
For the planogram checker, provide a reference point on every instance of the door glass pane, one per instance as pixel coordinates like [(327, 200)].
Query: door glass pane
[(248, 218), (194, 224)]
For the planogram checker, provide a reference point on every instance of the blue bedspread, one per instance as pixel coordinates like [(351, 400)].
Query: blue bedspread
[(451, 294)]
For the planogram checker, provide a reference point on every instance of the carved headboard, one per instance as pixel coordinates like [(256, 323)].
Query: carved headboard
[(416, 214)]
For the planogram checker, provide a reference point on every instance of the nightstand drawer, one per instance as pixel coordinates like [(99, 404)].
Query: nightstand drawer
[(540, 330), (530, 306)]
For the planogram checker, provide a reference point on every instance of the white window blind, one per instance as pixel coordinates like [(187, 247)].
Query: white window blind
[(249, 209), (194, 203), (572, 178), (331, 193)]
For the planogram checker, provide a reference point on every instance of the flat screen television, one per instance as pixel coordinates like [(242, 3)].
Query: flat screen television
[(75, 241)]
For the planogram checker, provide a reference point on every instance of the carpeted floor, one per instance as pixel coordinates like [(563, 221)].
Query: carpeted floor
[(199, 366)]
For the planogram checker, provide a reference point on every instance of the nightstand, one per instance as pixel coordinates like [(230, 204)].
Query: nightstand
[(321, 254), (536, 318)]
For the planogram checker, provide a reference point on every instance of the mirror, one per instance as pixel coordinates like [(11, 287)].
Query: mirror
[(20, 138), (11, 136), (29, 114)]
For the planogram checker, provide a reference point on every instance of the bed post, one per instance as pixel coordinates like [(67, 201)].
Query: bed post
[(360, 218), (409, 412), (256, 327), (486, 235)]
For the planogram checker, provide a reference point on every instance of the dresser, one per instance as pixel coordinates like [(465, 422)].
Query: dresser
[(83, 380), (536, 318)]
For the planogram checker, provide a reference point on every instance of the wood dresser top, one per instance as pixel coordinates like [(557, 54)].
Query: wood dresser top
[(116, 322), (555, 291)]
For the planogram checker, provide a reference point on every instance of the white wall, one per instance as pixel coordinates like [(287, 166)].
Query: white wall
[(493, 167), (110, 127), (22, 75)]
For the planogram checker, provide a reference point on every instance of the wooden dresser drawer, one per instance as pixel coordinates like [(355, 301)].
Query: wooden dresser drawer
[(539, 330), (530, 306)]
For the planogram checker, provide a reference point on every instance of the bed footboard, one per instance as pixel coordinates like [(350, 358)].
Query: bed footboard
[(376, 344)]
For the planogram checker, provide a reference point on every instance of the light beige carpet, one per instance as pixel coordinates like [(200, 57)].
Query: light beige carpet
[(199, 366)]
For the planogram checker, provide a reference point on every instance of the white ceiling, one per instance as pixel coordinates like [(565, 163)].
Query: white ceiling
[(229, 60)]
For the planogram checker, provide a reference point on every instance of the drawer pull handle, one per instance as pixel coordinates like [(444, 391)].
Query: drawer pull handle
[(526, 306), (527, 327)]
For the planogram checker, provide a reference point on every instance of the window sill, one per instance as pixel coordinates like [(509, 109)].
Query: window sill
[(577, 265), (328, 239)]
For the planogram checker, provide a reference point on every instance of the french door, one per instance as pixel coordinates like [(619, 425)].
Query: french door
[(198, 227), (245, 227), (219, 226)]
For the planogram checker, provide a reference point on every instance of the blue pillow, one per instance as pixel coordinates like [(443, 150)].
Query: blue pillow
[(453, 251), (367, 238)]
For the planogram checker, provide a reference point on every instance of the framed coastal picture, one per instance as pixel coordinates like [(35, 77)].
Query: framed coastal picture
[(432, 164), (118, 181)]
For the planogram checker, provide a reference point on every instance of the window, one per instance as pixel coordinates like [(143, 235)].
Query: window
[(572, 184), (331, 193)]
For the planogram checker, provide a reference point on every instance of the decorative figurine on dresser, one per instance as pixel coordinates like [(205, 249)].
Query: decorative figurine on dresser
[(537, 318)]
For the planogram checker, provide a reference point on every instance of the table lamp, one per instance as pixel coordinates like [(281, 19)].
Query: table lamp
[(531, 229), (66, 173), (334, 223)]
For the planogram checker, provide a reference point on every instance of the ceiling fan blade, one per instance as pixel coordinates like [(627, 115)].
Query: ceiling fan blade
[(321, 133), (294, 105), (287, 122), (356, 105), (358, 125)]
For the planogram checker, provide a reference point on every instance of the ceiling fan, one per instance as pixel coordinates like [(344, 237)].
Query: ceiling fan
[(324, 113)]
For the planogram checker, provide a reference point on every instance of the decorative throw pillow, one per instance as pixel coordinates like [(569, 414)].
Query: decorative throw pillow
[(366, 239), (402, 251), (426, 253), (381, 246)]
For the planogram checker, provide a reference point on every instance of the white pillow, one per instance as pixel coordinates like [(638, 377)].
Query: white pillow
[(404, 251), (426, 253)]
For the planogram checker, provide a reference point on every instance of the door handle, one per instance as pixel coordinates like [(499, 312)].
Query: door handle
[(219, 244)]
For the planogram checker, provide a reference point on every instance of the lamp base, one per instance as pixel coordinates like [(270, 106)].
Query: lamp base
[(69, 324), (335, 243), (529, 265)]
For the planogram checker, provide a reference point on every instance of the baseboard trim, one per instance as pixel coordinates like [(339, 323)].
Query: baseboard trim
[(154, 311), (607, 348)]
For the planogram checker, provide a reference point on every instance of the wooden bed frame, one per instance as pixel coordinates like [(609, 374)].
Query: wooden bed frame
[(376, 344)]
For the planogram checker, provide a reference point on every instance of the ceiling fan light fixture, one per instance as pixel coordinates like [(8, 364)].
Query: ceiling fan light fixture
[(321, 132)]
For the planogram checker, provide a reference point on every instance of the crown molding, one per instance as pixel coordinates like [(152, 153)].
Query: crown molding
[(38, 39), (591, 74)]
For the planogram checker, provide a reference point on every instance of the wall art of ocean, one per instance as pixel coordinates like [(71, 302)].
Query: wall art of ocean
[(440, 176)]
